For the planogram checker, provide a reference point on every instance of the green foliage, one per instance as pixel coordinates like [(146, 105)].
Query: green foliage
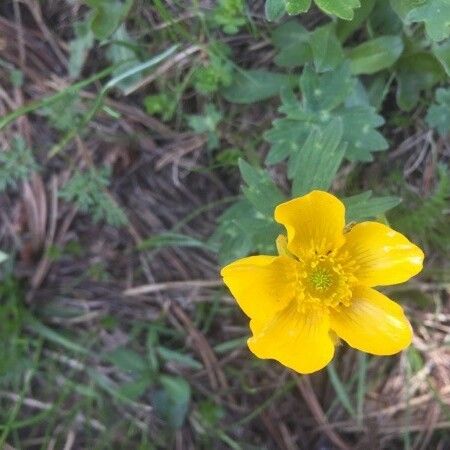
[(442, 53), (416, 71), (250, 86), (363, 206), (65, 113), (229, 15), (122, 54), (80, 46), (260, 190), (340, 8), (436, 16), (241, 230), (292, 42), (107, 15), (207, 123), (438, 115), (14, 353), (375, 55), (427, 220), (162, 104), (216, 73), (172, 401), (88, 191), (16, 164), (326, 97)]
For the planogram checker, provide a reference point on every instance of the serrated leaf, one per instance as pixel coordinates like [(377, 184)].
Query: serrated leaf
[(316, 164), (340, 8), (362, 206), (274, 9), (242, 230), (326, 48), (325, 92), (261, 191), (250, 86), (375, 55), (326, 97), (292, 41), (360, 123), (436, 16), (438, 115)]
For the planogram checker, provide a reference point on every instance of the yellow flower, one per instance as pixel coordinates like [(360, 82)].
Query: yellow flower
[(321, 284)]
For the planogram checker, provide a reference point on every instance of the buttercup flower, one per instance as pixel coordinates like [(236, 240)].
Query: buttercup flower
[(320, 286)]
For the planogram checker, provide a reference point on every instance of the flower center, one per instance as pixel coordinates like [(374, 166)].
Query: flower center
[(321, 279), (324, 282)]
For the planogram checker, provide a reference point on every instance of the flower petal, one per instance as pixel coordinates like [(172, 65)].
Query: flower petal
[(300, 341), (382, 255), (314, 223), (262, 285), (372, 323)]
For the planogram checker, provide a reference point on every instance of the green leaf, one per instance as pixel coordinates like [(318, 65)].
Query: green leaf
[(207, 123), (403, 7), (340, 389), (326, 97), (171, 403), (134, 389), (322, 93), (375, 55), (241, 230), (340, 8), (297, 6), (438, 115), (436, 16), (362, 206), (107, 15), (326, 49), (127, 360), (183, 359), (274, 9), (442, 53), (261, 191), (292, 42), (250, 86), (122, 52), (383, 20), (346, 28), (416, 72), (316, 164), (47, 333), (80, 46)]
